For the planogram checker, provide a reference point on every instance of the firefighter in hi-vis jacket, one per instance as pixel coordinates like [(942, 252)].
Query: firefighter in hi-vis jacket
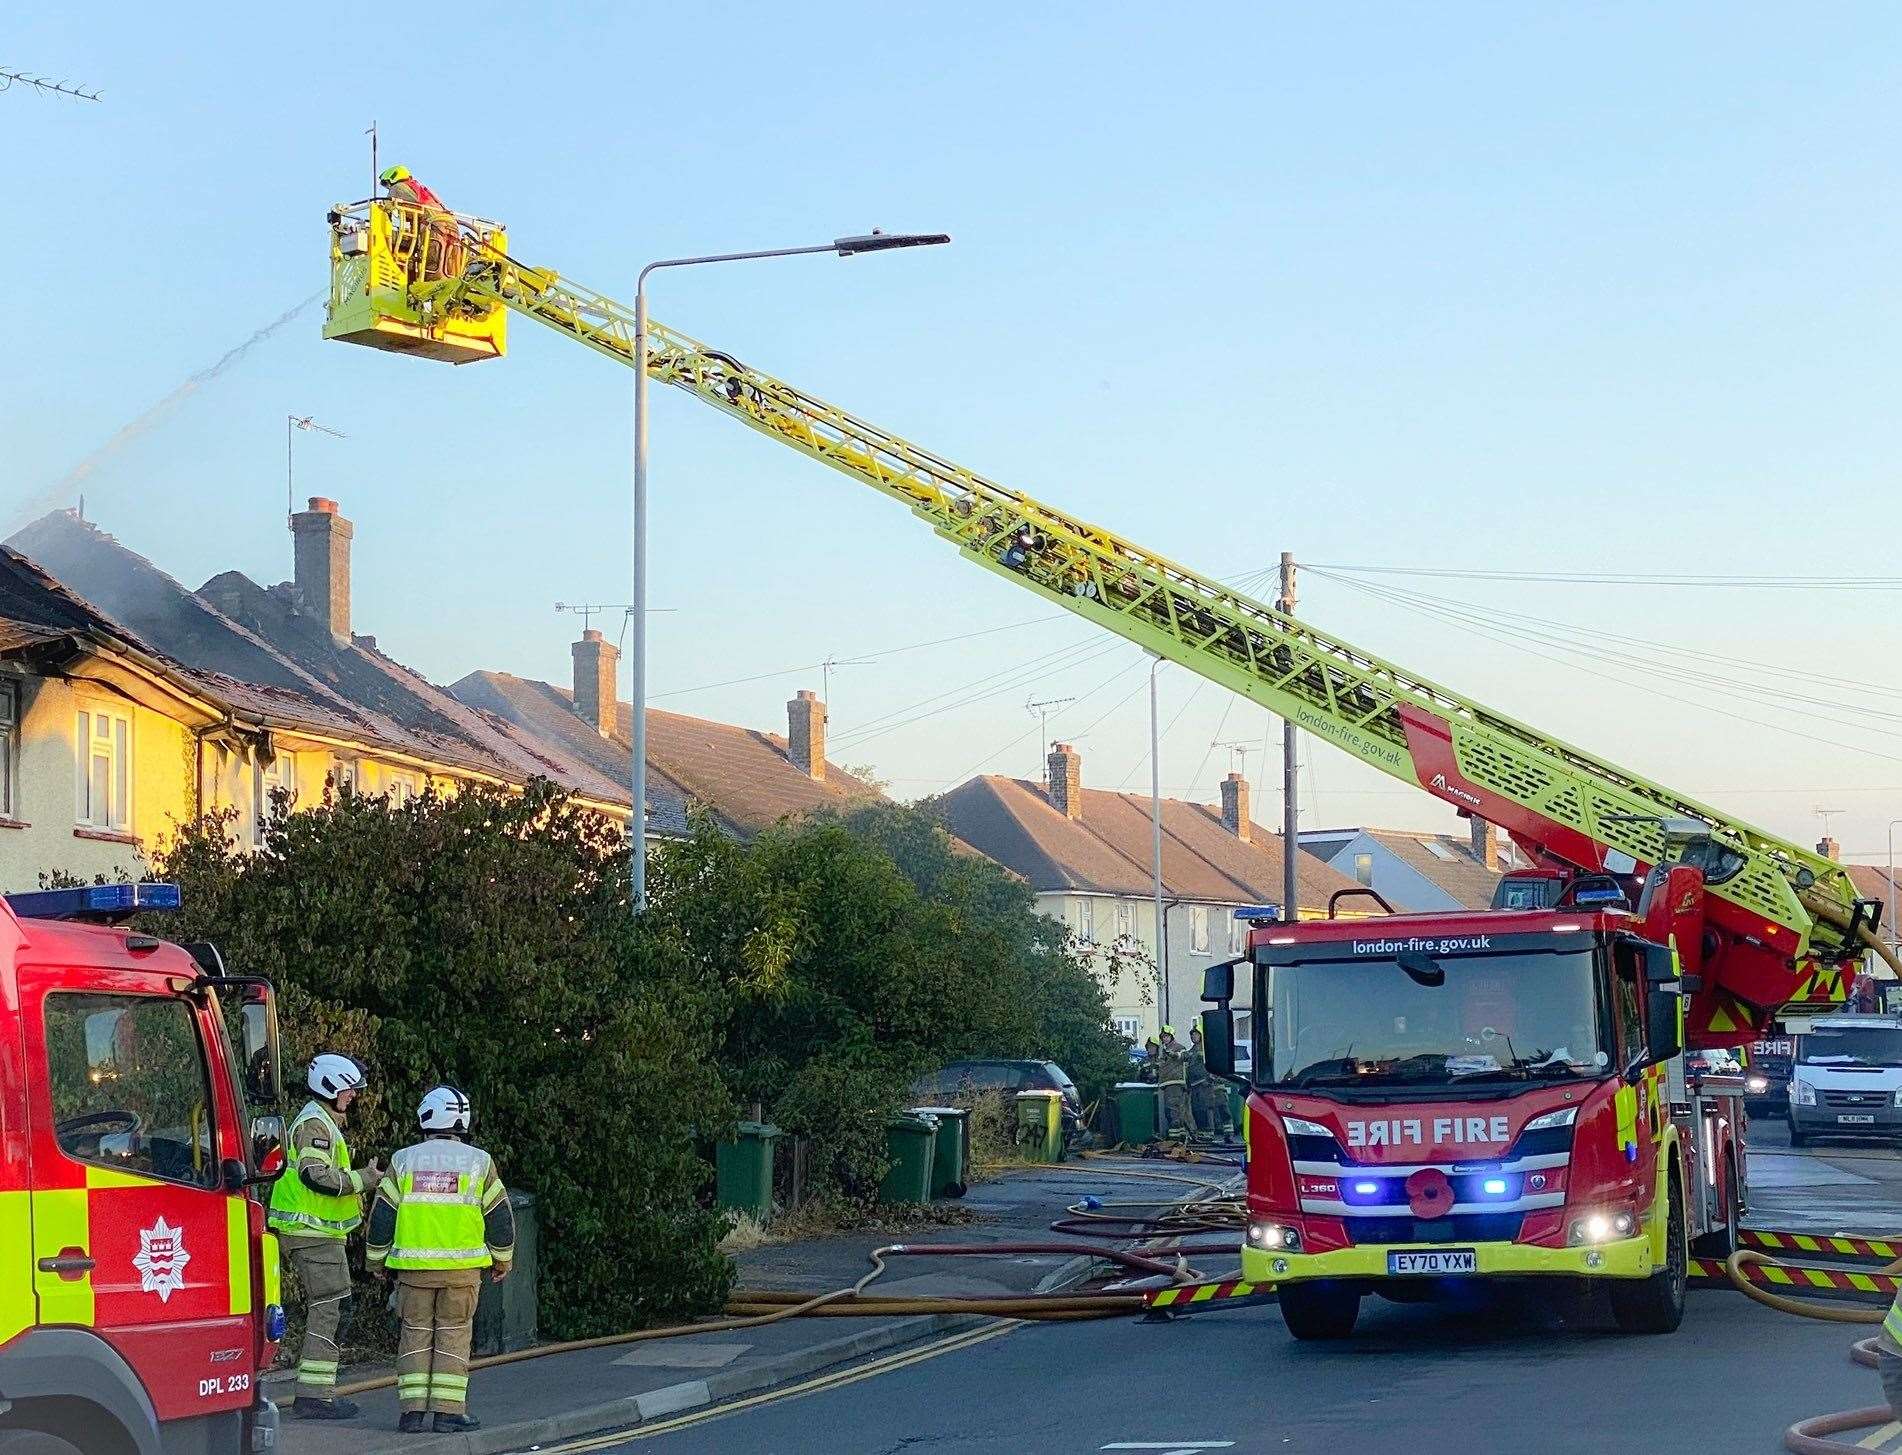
[(315, 1206), (440, 1217)]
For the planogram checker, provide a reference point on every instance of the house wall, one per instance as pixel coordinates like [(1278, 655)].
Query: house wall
[(1102, 917), (1399, 882), (172, 775), (44, 835)]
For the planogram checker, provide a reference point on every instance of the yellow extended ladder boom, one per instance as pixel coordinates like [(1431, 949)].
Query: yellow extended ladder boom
[(1797, 907)]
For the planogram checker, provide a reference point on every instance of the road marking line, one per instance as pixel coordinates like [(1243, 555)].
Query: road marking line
[(1179, 1447), (816, 1385), (1877, 1438)]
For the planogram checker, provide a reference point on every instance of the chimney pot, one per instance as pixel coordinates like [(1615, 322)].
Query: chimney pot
[(1066, 780), (806, 734), (1485, 842), (1829, 848), (1235, 809), (320, 546), (595, 661)]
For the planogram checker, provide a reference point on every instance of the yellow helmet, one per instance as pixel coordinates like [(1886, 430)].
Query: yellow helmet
[(392, 175)]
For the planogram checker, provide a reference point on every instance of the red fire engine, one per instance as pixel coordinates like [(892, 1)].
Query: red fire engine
[(1496, 1094), (139, 1298)]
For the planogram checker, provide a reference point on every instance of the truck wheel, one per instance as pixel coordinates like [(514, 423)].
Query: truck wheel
[(1656, 1305), (1797, 1139), (1319, 1310), (34, 1442), (1721, 1241)]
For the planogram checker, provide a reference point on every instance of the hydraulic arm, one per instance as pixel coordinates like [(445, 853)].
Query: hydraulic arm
[(1781, 922)]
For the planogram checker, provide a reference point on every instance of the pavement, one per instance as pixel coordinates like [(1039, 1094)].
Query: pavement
[(1850, 1186), (561, 1396)]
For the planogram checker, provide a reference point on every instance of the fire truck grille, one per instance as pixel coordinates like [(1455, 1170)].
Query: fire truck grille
[(1459, 1228)]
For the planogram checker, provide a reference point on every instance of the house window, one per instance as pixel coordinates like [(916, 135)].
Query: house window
[(1086, 919), (1198, 929), (343, 775), (9, 745), (269, 780), (400, 788), (1125, 920), (1364, 868), (1237, 935), (1129, 1027), (104, 787)]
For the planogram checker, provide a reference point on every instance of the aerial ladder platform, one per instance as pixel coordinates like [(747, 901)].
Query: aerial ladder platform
[(1781, 922)]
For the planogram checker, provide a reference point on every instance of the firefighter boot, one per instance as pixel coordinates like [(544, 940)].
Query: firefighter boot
[(306, 1408), (450, 1424), (413, 1422)]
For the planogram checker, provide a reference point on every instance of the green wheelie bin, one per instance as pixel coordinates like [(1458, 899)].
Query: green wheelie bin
[(911, 1141)]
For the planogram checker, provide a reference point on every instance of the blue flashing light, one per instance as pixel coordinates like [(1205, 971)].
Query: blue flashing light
[(274, 1322), (1366, 1189), (1493, 1187), (1599, 894), (94, 901), (1256, 913)]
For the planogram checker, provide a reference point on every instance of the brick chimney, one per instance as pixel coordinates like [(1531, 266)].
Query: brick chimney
[(1235, 813), (1066, 780), (1485, 842), (595, 660), (321, 557), (806, 735), (1829, 848)]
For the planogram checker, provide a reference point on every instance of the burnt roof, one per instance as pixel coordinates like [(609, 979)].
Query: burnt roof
[(744, 777), (1108, 849), (248, 645)]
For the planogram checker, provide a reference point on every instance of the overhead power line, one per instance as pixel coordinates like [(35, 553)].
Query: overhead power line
[(1817, 581)]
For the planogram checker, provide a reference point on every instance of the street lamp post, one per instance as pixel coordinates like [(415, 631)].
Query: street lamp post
[(1894, 940), (844, 247)]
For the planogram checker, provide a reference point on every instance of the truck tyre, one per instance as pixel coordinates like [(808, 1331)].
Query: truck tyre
[(34, 1442), (1655, 1305), (1319, 1310), (1797, 1139), (1721, 1241)]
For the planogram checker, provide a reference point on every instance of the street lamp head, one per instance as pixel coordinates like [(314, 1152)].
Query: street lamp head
[(878, 242)]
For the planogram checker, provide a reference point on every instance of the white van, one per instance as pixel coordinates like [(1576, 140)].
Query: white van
[(1846, 1078)]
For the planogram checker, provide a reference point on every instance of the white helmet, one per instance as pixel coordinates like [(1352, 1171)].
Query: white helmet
[(444, 1109), (331, 1074)]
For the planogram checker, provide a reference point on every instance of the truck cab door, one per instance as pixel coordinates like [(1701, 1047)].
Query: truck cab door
[(134, 1234)]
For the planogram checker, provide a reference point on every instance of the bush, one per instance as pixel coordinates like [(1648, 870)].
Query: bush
[(485, 940)]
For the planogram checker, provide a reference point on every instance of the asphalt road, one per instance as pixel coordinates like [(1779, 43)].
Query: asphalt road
[(1426, 1380)]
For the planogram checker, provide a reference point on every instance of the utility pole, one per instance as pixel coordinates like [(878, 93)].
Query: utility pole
[(1290, 809), (1155, 850)]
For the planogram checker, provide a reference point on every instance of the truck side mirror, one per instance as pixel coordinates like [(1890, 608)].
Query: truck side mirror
[(1662, 1023), (263, 1058), (1218, 1036), (1218, 983), (267, 1148)]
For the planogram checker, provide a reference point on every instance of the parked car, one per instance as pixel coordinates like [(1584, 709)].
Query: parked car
[(1009, 1077)]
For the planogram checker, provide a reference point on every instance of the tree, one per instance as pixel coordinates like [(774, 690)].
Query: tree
[(485, 940)]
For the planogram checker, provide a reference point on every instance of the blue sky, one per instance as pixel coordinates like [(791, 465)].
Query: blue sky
[(1482, 286)]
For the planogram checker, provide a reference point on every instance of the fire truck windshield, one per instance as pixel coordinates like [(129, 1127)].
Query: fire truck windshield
[(1413, 1020)]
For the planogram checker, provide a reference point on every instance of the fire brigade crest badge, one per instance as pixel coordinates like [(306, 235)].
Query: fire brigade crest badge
[(161, 1260)]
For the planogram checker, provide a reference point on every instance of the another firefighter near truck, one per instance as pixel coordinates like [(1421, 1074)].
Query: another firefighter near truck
[(440, 1217), (315, 1206), (1172, 1075), (1201, 1085)]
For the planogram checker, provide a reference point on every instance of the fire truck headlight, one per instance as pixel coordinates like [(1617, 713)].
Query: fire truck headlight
[(1274, 1236), (1756, 1085), (1601, 1227)]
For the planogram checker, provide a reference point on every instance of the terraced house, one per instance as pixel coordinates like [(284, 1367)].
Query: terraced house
[(130, 704)]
